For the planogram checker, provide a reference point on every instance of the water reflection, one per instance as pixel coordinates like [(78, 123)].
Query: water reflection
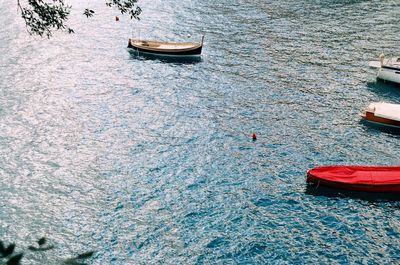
[(340, 193), (386, 89), (106, 149), (392, 130), (165, 59)]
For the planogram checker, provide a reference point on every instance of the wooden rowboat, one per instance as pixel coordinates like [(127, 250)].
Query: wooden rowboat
[(358, 178), (174, 49), (382, 113)]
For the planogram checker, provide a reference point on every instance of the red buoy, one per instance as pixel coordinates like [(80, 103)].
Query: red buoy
[(116, 18), (254, 137)]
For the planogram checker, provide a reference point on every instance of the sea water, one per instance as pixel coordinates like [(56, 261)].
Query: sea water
[(148, 161)]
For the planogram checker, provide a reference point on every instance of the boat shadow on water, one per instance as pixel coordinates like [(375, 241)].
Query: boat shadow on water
[(385, 88), (315, 190), (392, 130), (164, 59)]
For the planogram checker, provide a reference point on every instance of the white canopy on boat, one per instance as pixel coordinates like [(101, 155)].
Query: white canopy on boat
[(385, 110)]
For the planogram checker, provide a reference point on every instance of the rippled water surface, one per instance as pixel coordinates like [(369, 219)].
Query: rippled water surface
[(147, 161)]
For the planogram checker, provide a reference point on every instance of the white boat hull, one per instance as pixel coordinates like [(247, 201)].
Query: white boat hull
[(391, 75)]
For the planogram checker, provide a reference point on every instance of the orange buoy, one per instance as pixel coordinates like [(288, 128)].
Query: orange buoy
[(116, 18), (254, 137)]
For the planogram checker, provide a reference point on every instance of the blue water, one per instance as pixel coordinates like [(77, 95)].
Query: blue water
[(146, 161)]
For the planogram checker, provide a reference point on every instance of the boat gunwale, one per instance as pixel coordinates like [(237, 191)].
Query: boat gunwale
[(195, 46)]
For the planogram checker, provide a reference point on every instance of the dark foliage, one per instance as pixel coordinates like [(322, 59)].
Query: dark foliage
[(78, 260), (42, 241), (8, 258), (8, 250), (42, 245), (6, 253), (42, 17), (15, 259), (126, 7)]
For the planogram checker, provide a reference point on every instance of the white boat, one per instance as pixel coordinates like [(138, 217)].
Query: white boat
[(388, 69), (382, 113)]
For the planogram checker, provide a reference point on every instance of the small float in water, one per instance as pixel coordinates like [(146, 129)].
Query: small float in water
[(389, 69), (167, 49), (383, 114), (357, 178)]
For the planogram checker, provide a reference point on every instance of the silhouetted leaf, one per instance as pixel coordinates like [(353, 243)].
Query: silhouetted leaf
[(73, 262), (15, 259), (85, 255), (88, 12), (42, 241), (9, 250), (1, 247), (79, 258), (32, 248)]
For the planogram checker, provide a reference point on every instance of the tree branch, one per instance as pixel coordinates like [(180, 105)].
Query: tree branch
[(43, 17)]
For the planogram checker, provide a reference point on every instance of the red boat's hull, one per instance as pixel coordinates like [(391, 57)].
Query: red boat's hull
[(357, 178), (370, 116)]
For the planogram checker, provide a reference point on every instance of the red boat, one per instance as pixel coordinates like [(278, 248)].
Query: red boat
[(358, 178)]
